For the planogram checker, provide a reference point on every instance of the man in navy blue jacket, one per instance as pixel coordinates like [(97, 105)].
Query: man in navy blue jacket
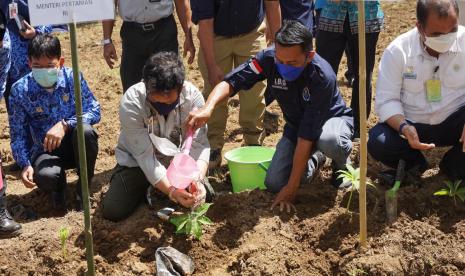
[(317, 119)]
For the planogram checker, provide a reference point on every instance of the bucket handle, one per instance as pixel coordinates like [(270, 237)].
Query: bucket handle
[(263, 167)]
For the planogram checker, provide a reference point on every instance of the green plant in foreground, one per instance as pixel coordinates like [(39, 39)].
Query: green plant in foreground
[(352, 175), (63, 234), (453, 190), (191, 223)]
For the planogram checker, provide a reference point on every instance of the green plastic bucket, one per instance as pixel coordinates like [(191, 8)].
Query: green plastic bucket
[(247, 166)]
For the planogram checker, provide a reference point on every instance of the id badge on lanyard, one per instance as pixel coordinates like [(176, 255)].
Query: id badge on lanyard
[(433, 87), (12, 9)]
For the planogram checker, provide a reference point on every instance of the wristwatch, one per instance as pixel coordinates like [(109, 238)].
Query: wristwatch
[(401, 127), (107, 41)]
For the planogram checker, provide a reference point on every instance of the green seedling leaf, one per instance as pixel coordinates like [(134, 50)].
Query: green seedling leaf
[(204, 220), (202, 209), (191, 224), (177, 220), (196, 230), (442, 192), (63, 235), (453, 190)]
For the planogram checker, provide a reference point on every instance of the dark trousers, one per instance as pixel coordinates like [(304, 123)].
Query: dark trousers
[(331, 46), (3, 190), (128, 186), (139, 45), (387, 146), (49, 168)]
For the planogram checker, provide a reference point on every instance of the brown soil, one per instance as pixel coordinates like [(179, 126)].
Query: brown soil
[(246, 238)]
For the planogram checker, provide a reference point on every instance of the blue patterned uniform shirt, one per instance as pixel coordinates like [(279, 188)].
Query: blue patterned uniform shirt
[(334, 14), (20, 66), (5, 62), (33, 108)]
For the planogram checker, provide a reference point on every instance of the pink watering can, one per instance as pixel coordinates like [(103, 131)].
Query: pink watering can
[(183, 168)]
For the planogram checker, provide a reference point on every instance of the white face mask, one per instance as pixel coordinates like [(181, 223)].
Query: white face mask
[(442, 43)]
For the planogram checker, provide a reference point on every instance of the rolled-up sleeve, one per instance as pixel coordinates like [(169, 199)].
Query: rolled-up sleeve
[(389, 85), (200, 146), (202, 9), (134, 140)]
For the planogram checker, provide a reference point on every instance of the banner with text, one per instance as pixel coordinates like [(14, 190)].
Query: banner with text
[(54, 12)]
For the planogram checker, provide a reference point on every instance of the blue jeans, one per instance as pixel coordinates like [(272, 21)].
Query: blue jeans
[(335, 142)]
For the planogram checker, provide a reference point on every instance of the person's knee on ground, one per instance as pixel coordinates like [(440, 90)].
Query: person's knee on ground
[(50, 178), (121, 200), (453, 163), (335, 143)]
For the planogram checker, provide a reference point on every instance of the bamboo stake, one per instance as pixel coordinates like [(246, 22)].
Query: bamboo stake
[(363, 122), (82, 153)]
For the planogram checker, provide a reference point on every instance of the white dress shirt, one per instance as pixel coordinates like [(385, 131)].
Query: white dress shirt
[(403, 71), (145, 11)]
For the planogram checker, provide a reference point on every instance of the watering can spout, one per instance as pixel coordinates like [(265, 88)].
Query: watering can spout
[(188, 143)]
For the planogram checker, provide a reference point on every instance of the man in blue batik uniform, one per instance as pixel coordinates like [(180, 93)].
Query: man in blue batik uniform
[(19, 41), (8, 227), (42, 105), (318, 123)]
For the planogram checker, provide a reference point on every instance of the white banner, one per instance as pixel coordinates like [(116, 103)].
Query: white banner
[(54, 12)]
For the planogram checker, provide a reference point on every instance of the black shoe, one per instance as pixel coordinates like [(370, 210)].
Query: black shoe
[(8, 227), (411, 175), (350, 78), (356, 136), (318, 159), (78, 204), (338, 182), (59, 200), (215, 159)]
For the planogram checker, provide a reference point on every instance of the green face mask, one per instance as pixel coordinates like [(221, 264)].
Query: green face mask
[(45, 77)]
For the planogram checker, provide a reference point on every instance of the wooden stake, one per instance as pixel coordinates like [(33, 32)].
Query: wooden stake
[(82, 153), (363, 122)]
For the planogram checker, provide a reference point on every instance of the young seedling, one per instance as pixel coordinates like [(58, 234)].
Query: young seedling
[(63, 234), (453, 190), (191, 224), (351, 175)]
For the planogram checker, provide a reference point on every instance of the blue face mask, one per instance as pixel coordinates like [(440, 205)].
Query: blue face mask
[(45, 77), (289, 72), (165, 109)]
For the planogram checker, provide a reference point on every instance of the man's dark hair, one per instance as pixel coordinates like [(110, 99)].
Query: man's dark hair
[(163, 72), (2, 25), (44, 45), (439, 7), (293, 33)]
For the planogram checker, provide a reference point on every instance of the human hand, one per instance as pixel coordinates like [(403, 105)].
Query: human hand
[(285, 197), (410, 132), (27, 175), (54, 137), (198, 118), (29, 32), (197, 189), (215, 75), (189, 47), (109, 53), (184, 198)]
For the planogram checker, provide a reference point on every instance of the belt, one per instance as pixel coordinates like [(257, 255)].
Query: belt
[(147, 27)]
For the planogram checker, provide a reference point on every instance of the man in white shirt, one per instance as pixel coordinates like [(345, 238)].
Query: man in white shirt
[(148, 28), (420, 97)]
